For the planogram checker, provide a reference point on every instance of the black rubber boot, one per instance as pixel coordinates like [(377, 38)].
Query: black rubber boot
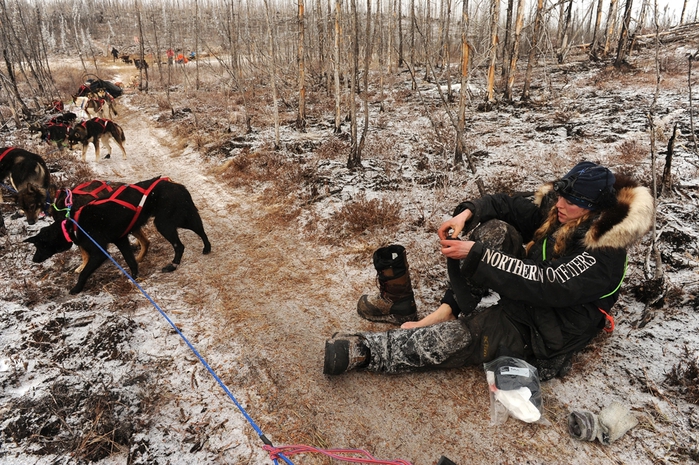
[(344, 352), (395, 302)]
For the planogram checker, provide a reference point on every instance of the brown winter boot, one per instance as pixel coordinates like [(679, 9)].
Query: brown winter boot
[(395, 302)]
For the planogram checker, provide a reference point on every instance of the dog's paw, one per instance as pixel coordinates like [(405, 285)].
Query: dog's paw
[(170, 268)]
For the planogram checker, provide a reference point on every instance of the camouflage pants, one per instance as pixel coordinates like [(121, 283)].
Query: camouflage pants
[(470, 339)]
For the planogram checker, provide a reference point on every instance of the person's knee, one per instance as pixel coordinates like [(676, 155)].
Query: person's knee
[(499, 235)]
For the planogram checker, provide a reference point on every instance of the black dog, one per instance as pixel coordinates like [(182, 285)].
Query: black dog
[(110, 220), (26, 172), (82, 194), (56, 130)]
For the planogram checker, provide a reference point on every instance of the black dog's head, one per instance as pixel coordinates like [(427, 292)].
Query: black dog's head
[(48, 242)]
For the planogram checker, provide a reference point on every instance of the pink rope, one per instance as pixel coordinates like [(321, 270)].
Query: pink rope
[(337, 454)]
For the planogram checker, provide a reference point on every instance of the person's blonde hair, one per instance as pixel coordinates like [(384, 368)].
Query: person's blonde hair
[(563, 232)]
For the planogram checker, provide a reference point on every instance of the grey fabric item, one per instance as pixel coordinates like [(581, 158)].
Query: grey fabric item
[(494, 234), (432, 346), (615, 420), (583, 425), (611, 424)]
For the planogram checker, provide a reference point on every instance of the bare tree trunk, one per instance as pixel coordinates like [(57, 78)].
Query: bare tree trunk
[(156, 54), (368, 49), (412, 40), (427, 37), (273, 74), (658, 274), (519, 21), (301, 115), (338, 91), (684, 9), (382, 53), (465, 49), (494, 19), (506, 43), (322, 31), (196, 42), (400, 34), (622, 48), (446, 44), (594, 45), (142, 69), (563, 44), (391, 34), (354, 160), (666, 183), (611, 25), (691, 106), (10, 78), (532, 50)]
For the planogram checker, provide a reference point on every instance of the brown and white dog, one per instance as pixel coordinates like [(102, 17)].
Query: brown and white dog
[(26, 172), (97, 130), (98, 104)]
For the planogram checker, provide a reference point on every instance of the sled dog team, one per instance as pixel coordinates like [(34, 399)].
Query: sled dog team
[(95, 213)]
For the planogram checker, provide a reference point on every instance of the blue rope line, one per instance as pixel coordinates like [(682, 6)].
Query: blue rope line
[(9, 188), (191, 347)]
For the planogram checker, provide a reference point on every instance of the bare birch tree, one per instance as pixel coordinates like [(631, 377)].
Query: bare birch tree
[(514, 55), (493, 52), (465, 54), (368, 49), (336, 69), (691, 58), (623, 45), (532, 49), (142, 70), (563, 46), (611, 25), (354, 160), (301, 114), (273, 74)]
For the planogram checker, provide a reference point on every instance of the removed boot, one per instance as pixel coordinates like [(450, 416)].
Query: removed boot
[(344, 352), (395, 302)]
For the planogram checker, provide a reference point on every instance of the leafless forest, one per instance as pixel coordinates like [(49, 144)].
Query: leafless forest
[(349, 50)]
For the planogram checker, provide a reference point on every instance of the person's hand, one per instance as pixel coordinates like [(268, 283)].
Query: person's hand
[(456, 249), (455, 225)]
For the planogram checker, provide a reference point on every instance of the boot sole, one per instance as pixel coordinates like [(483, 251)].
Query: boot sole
[(336, 357)]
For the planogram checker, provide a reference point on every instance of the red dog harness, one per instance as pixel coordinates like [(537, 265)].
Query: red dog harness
[(9, 149), (100, 186), (115, 198)]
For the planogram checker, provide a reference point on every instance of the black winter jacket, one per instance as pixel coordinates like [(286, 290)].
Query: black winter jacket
[(559, 299)]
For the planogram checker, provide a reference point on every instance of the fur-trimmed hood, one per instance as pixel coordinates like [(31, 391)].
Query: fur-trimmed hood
[(619, 226)]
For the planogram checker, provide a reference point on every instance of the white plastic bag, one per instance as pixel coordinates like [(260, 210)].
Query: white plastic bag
[(514, 390)]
